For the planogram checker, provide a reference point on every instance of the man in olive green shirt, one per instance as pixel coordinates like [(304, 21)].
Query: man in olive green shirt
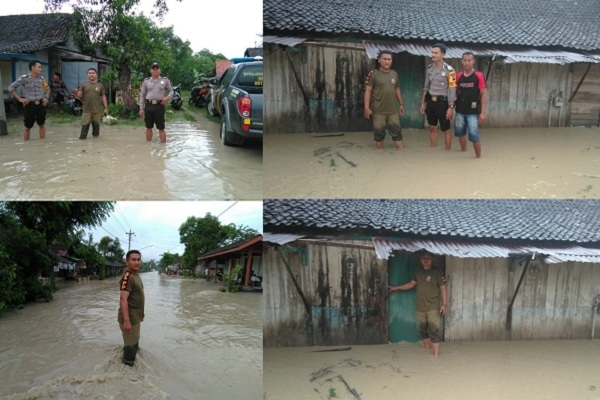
[(131, 306), (382, 92), (431, 285)]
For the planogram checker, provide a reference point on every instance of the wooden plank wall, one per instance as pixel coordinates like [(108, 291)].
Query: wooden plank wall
[(347, 290), (284, 318), (585, 107), (553, 302), (332, 79)]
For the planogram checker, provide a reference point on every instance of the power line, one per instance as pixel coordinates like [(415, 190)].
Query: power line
[(123, 216), (227, 209)]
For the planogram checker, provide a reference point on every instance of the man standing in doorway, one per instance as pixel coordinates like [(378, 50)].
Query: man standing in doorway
[(93, 97), (439, 95), (153, 102), (382, 93), (431, 285), (131, 306), (471, 103), (36, 94)]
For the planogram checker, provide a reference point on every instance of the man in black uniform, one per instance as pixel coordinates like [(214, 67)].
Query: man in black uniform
[(36, 94), (440, 93)]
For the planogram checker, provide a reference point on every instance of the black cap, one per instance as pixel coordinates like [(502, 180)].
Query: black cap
[(155, 64)]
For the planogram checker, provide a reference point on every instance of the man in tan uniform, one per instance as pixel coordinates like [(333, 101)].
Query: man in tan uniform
[(131, 306), (93, 97), (153, 102)]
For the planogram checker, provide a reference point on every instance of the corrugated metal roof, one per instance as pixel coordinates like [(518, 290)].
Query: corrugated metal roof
[(507, 56), (280, 238), (286, 41), (555, 254)]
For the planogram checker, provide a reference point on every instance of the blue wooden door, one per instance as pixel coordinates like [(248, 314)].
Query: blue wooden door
[(402, 313)]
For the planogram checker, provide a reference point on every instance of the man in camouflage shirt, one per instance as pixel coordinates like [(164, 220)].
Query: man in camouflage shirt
[(131, 306), (431, 285), (36, 94)]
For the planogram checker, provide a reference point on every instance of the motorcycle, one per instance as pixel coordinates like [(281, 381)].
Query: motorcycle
[(200, 95), (75, 105), (176, 101)]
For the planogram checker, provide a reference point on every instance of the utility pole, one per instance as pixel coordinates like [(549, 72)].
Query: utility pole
[(129, 244)]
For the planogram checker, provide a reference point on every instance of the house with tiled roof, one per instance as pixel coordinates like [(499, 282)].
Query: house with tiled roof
[(514, 269), (541, 59), (49, 39)]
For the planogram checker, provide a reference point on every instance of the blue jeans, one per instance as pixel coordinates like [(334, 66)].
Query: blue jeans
[(462, 122)]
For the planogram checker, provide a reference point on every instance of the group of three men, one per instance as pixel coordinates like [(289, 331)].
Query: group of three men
[(443, 93), (36, 95)]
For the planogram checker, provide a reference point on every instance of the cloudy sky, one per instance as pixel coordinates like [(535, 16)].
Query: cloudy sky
[(156, 223), (228, 27)]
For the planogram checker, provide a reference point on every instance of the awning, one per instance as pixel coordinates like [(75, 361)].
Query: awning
[(505, 55), (508, 56), (280, 238), (555, 254)]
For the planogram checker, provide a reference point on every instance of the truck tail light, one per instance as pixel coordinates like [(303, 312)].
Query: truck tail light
[(244, 105)]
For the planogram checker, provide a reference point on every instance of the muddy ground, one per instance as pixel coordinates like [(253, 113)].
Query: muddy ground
[(122, 165), (521, 370), (515, 163)]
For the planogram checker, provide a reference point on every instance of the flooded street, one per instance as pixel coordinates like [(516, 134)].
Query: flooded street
[(196, 342), (521, 370), (122, 165), (515, 163)]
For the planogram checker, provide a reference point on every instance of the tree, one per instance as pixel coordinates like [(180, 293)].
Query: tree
[(60, 219), (86, 250), (200, 235), (168, 259), (113, 27), (111, 249)]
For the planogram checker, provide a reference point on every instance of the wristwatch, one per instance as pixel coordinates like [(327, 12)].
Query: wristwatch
[(452, 106)]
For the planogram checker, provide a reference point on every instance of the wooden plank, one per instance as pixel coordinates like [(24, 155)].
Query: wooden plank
[(488, 324), (478, 299), (469, 300), (540, 318)]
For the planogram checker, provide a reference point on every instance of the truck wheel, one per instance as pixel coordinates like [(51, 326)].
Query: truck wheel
[(224, 139)]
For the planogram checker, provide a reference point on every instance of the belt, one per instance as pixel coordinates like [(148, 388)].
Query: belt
[(35, 102), (153, 101), (435, 99)]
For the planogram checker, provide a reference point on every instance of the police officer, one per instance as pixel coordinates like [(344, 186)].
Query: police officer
[(153, 101), (439, 95), (36, 94)]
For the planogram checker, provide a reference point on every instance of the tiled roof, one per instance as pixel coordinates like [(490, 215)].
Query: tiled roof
[(531, 220), (569, 24), (28, 33)]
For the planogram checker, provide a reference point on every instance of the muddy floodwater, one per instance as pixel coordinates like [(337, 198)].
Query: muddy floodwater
[(122, 165), (523, 370), (196, 343), (515, 163)]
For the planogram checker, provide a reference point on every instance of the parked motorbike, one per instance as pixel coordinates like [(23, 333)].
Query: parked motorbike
[(200, 95), (176, 101), (75, 105)]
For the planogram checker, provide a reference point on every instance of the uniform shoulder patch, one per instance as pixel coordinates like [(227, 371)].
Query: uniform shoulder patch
[(430, 66), (448, 67), (125, 280), (24, 76), (369, 75)]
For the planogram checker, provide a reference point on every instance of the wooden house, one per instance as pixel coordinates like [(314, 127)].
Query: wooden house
[(515, 269), (246, 253), (48, 38), (541, 59)]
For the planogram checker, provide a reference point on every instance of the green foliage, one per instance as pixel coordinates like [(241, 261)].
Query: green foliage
[(60, 219), (111, 249), (332, 392), (102, 274), (201, 235), (168, 259), (115, 110), (12, 292), (229, 280)]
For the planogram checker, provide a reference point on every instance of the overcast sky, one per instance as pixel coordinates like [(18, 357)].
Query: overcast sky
[(228, 26), (156, 223)]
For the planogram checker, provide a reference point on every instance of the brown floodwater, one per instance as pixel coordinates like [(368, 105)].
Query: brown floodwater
[(196, 342), (523, 370), (122, 165), (515, 163)]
